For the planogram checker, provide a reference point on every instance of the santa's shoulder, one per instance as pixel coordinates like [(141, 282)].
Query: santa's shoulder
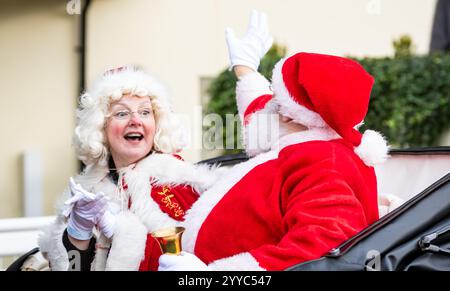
[(319, 150)]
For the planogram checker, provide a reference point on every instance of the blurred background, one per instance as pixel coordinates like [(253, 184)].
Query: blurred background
[(51, 50)]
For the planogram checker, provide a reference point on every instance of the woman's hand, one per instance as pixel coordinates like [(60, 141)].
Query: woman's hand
[(249, 50), (85, 210)]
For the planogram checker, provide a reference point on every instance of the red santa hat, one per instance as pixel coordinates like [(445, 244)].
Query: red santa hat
[(328, 91)]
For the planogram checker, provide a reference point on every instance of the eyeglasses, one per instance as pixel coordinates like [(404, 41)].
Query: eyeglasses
[(126, 114)]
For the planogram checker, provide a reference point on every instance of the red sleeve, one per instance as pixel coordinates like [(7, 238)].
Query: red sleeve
[(320, 211), (256, 105), (174, 200)]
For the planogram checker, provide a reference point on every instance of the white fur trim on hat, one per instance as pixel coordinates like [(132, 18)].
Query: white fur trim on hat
[(288, 107), (129, 80), (373, 148)]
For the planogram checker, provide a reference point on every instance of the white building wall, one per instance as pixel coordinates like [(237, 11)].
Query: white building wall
[(38, 81)]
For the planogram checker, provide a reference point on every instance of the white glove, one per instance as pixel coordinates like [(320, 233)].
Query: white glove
[(388, 202), (85, 210), (183, 262), (249, 50), (107, 223)]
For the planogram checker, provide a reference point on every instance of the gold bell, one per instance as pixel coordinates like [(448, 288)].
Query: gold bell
[(169, 239)]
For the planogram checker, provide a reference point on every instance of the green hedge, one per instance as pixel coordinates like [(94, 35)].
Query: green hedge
[(410, 101)]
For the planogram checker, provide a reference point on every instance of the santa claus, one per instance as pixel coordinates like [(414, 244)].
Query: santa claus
[(310, 185)]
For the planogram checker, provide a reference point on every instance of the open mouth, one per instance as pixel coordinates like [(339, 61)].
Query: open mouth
[(134, 136)]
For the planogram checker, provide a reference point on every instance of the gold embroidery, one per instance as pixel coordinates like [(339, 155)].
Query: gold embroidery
[(171, 205)]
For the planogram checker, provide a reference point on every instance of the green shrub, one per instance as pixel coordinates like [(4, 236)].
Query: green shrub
[(410, 101)]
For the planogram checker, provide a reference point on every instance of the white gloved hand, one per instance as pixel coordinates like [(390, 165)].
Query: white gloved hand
[(85, 210), (107, 223), (183, 262), (387, 203), (249, 50)]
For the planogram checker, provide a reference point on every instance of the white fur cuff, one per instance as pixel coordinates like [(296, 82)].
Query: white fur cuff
[(239, 262), (249, 87), (128, 244)]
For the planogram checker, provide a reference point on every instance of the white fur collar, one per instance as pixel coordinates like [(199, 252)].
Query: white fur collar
[(166, 169), (318, 133), (239, 262)]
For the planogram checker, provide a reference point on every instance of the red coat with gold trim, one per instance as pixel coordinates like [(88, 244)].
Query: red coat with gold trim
[(174, 201), (154, 194)]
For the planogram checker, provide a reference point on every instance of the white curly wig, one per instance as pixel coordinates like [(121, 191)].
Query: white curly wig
[(90, 140)]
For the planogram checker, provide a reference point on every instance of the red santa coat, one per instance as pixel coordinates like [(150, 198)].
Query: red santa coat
[(299, 197), (284, 209)]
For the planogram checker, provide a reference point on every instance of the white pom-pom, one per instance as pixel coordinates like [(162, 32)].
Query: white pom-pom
[(373, 148)]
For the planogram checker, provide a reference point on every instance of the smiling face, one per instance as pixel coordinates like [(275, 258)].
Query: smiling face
[(130, 129)]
